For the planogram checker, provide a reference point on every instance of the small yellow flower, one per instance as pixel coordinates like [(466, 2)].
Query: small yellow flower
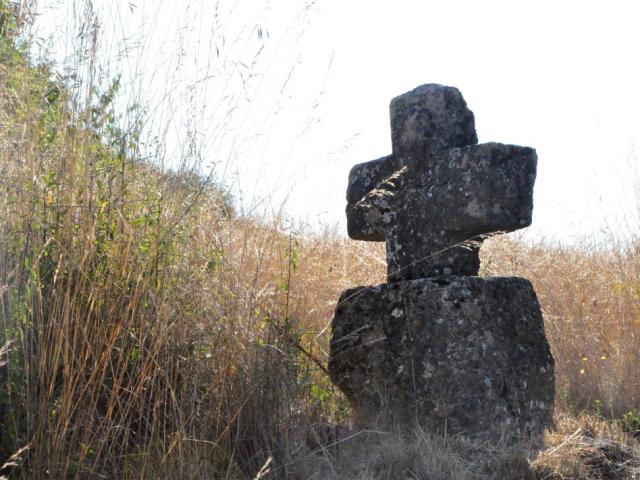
[(582, 371), (604, 357), (584, 359)]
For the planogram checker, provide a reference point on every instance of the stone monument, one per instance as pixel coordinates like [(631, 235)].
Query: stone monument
[(437, 346)]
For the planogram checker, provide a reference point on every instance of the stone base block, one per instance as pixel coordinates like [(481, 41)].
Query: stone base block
[(459, 355)]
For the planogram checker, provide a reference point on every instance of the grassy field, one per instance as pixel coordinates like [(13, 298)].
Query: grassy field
[(149, 331)]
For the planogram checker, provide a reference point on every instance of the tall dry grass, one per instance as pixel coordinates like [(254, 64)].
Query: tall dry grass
[(148, 331)]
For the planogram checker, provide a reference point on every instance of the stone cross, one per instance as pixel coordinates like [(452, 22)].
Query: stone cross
[(448, 350), (439, 193)]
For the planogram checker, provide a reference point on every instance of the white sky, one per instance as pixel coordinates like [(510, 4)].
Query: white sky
[(291, 120)]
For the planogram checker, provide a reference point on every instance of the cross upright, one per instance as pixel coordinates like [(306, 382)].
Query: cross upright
[(439, 193)]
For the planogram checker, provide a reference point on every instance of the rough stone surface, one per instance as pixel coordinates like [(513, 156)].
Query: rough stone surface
[(439, 192), (428, 120), (461, 355)]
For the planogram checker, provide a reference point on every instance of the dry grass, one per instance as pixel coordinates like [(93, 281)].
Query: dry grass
[(583, 448), (148, 332), (588, 447)]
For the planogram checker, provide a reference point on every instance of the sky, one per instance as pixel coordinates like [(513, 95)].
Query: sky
[(280, 99)]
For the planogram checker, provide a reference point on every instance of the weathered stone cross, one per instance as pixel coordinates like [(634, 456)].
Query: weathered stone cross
[(439, 192)]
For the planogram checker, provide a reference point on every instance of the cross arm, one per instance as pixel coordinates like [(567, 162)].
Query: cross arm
[(363, 178), (475, 190)]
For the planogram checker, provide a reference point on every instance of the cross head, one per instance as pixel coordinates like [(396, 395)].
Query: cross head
[(439, 193)]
